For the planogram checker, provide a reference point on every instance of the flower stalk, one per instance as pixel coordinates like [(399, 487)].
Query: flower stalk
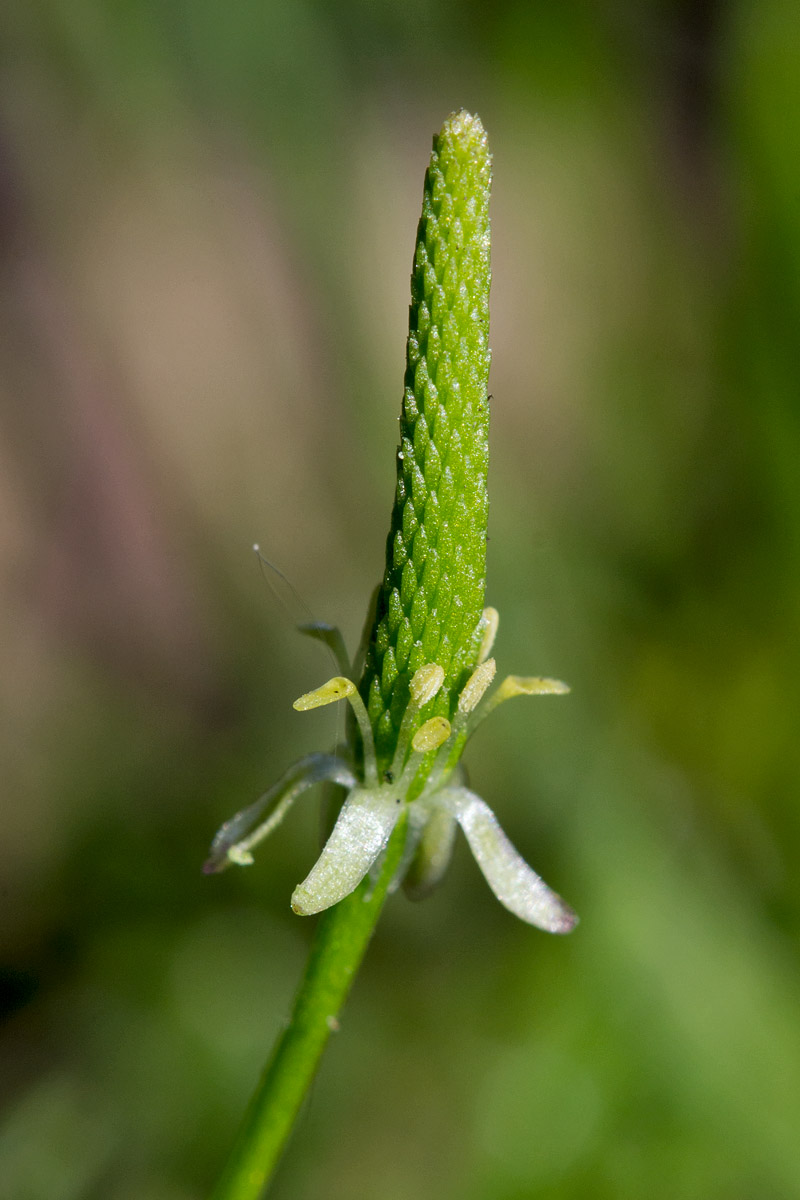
[(339, 945), (428, 677)]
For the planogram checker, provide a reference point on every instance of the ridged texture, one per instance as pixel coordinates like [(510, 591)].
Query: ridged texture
[(432, 593)]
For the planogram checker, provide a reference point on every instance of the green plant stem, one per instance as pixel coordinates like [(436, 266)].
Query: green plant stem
[(339, 945)]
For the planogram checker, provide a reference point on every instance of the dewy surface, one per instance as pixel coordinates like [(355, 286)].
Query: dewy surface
[(432, 593)]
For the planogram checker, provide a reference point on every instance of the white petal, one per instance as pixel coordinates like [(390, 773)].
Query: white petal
[(362, 830), (433, 854), (511, 879)]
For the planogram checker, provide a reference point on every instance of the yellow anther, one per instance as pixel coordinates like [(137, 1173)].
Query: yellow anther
[(242, 858), (476, 686), (431, 735), (489, 620), (529, 685), (335, 689), (425, 683)]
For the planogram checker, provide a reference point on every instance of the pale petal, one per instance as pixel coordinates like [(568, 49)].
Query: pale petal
[(362, 830), (433, 853), (511, 879)]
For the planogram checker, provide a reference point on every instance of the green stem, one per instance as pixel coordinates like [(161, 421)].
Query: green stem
[(339, 945)]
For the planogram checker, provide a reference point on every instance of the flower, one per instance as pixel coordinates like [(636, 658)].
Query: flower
[(427, 671), (424, 780)]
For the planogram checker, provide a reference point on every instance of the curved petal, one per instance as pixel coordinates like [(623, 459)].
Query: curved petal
[(432, 856), (511, 879), (362, 830)]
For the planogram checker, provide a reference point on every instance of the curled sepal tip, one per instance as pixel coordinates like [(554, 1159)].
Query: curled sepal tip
[(514, 883), (330, 636), (234, 840)]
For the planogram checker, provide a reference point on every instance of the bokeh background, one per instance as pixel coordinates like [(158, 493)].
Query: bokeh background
[(207, 215)]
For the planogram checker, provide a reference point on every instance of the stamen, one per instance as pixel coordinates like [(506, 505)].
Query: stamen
[(425, 683), (236, 837), (340, 688), (368, 741), (431, 735), (516, 685), (476, 685), (529, 685), (240, 853), (490, 620), (335, 689), (240, 856)]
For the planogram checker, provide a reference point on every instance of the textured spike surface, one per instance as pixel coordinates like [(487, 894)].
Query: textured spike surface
[(432, 593)]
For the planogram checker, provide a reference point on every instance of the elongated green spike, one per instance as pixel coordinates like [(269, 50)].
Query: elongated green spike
[(431, 599)]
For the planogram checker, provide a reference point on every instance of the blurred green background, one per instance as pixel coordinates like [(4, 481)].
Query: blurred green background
[(207, 215)]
